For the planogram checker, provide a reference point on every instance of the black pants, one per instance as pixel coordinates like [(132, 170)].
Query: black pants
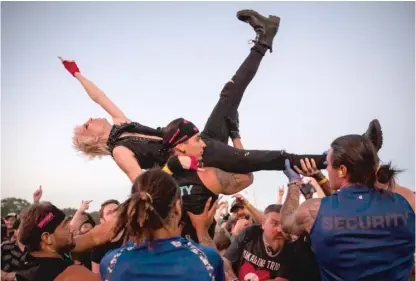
[(218, 153)]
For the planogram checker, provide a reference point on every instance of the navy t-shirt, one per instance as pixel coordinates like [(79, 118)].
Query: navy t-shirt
[(173, 259), (362, 234)]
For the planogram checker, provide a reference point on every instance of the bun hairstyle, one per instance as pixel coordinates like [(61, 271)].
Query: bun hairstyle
[(149, 208), (386, 175), (358, 155)]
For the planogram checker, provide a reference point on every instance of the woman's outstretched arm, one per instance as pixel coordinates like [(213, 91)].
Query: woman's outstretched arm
[(95, 93)]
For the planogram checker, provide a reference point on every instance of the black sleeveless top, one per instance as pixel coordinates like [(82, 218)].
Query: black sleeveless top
[(194, 197), (148, 152)]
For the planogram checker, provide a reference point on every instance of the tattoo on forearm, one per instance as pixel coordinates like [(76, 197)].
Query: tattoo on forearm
[(289, 207), (228, 270), (298, 219)]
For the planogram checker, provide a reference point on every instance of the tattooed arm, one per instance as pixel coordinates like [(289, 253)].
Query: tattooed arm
[(228, 270), (298, 219), (221, 182), (205, 239)]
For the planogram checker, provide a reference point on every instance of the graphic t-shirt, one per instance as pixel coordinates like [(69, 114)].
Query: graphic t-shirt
[(250, 260)]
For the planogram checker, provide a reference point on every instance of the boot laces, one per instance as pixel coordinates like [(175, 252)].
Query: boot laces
[(254, 41)]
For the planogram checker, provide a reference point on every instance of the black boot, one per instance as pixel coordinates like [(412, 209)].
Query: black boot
[(375, 134), (320, 160), (266, 28)]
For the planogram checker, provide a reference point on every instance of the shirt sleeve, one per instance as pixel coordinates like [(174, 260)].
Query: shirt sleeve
[(5, 257), (96, 255), (236, 248), (216, 261)]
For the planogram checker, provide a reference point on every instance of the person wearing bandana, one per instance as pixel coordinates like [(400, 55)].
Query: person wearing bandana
[(49, 244), (134, 146)]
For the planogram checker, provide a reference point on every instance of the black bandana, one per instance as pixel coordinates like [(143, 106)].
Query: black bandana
[(48, 223), (185, 131)]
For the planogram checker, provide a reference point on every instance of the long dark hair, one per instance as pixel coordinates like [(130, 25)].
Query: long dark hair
[(359, 156), (154, 194)]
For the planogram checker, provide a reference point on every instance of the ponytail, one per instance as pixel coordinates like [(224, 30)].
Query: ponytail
[(138, 217), (386, 175)]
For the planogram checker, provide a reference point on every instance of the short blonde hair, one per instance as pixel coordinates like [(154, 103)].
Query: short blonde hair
[(89, 145)]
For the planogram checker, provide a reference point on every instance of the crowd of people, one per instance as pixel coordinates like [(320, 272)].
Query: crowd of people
[(357, 223)]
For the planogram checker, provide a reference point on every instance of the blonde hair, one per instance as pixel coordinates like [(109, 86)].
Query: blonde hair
[(89, 145)]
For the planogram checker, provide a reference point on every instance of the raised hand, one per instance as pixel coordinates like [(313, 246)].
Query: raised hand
[(70, 65), (84, 205), (189, 163), (290, 174), (240, 198), (203, 221), (37, 195), (308, 168), (281, 192)]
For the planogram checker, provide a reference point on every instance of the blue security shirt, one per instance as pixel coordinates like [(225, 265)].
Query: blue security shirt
[(364, 234), (173, 259)]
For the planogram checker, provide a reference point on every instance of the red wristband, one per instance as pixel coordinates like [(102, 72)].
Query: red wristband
[(194, 163), (71, 66)]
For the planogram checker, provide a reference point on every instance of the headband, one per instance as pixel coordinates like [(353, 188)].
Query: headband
[(186, 130), (48, 223)]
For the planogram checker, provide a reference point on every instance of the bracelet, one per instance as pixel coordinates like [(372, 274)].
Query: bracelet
[(322, 181), (166, 170), (296, 182), (319, 176), (247, 205)]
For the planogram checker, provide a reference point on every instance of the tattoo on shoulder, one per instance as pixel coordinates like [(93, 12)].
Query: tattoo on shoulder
[(306, 214)]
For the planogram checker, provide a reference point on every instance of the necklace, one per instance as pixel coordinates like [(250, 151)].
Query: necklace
[(268, 249)]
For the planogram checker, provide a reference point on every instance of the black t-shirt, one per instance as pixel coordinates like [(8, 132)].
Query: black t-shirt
[(99, 252), (250, 260), (303, 261), (194, 197), (10, 257), (41, 269), (85, 259)]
